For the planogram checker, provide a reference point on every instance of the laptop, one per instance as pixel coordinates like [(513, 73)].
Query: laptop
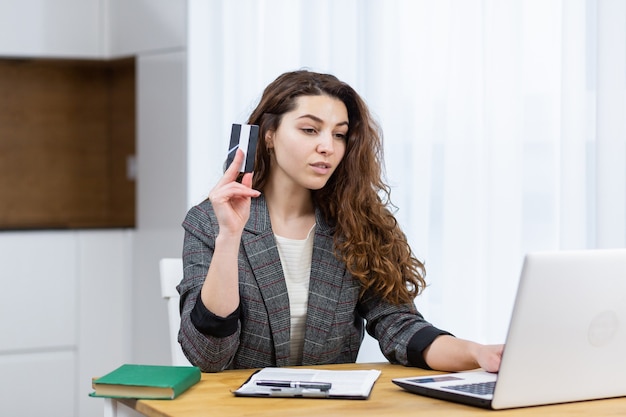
[(566, 340)]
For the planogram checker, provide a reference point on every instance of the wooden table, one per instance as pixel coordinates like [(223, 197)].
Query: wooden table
[(212, 397)]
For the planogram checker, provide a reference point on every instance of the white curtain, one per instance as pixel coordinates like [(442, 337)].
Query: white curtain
[(504, 121)]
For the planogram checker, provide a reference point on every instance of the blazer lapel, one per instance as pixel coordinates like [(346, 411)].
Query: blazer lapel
[(325, 289), (260, 247)]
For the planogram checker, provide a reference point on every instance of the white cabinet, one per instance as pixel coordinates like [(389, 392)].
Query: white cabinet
[(68, 299), (37, 291), (38, 384), (44, 28), (90, 28), (38, 287), (137, 27), (64, 318), (105, 281)]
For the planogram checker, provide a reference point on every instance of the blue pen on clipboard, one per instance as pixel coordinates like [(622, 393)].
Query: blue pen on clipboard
[(322, 386)]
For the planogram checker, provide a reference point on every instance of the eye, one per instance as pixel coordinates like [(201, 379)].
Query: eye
[(309, 130), (342, 136)]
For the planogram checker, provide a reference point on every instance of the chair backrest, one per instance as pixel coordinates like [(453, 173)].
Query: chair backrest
[(171, 270)]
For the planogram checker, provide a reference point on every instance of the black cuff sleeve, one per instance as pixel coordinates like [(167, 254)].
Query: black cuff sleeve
[(209, 324), (420, 341)]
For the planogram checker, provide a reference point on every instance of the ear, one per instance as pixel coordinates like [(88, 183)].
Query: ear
[(269, 139)]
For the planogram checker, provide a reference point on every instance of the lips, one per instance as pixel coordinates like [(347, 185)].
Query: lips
[(321, 167)]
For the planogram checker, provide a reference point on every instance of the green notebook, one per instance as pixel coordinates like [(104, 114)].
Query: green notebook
[(146, 381)]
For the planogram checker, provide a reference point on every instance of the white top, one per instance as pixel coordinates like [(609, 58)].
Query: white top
[(295, 257)]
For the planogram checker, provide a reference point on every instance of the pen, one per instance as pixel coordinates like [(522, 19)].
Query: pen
[(322, 386)]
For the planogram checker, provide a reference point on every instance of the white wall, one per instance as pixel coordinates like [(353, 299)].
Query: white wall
[(161, 195)]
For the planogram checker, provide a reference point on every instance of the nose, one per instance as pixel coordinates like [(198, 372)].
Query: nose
[(326, 144)]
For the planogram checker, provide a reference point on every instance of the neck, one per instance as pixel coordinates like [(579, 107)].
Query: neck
[(291, 211)]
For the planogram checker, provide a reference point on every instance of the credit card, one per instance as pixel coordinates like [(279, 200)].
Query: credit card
[(244, 137)]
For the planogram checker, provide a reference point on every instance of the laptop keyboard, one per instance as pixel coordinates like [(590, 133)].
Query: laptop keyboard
[(480, 388)]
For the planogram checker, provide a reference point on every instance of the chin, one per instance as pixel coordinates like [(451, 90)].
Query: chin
[(316, 186), (315, 183)]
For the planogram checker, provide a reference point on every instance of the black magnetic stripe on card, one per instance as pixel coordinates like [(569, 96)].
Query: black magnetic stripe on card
[(234, 137), (234, 143), (253, 138)]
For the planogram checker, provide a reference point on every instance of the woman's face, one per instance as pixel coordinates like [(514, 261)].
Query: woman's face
[(309, 143)]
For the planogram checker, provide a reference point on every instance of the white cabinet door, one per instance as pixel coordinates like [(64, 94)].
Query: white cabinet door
[(91, 28), (38, 384), (38, 282), (38, 310), (138, 27), (104, 324), (59, 28)]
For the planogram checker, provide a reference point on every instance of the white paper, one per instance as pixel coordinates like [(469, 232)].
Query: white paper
[(345, 383)]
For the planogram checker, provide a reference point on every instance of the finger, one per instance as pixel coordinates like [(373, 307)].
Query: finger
[(232, 172), (237, 160), (225, 191), (247, 179)]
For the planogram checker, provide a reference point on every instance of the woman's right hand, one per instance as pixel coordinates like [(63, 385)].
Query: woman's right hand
[(231, 199), (231, 204)]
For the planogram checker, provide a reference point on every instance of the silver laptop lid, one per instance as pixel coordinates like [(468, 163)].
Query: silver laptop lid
[(567, 336)]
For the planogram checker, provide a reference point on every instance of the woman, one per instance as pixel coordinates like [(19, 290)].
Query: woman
[(286, 267)]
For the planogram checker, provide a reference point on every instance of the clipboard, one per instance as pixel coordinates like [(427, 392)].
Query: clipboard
[(309, 383)]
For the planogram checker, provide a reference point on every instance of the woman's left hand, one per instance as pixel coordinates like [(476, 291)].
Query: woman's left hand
[(489, 357)]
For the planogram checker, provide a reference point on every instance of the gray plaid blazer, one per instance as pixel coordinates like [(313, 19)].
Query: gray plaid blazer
[(257, 335)]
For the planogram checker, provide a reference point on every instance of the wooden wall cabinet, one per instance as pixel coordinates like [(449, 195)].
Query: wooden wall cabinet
[(67, 143)]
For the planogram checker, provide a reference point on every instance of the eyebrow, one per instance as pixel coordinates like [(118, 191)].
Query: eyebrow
[(317, 119)]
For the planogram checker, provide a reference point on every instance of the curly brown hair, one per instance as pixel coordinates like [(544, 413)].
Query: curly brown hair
[(355, 199)]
